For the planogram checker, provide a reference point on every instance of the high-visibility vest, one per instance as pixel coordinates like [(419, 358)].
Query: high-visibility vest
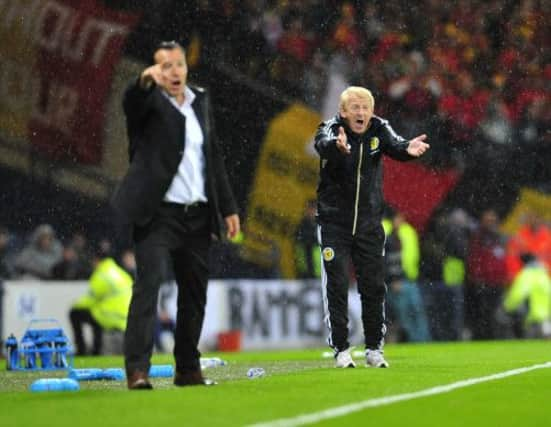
[(409, 241), (532, 283), (453, 271), (315, 256), (109, 294)]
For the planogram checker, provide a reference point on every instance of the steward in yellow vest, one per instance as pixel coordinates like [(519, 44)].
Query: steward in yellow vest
[(532, 284), (105, 306)]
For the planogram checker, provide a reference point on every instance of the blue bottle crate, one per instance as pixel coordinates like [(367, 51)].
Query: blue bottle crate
[(44, 346)]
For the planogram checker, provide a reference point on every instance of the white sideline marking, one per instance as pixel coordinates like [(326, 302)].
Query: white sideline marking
[(340, 411)]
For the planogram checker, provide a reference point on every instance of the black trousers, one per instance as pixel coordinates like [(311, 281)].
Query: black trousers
[(365, 250), (176, 238), (481, 306), (80, 317)]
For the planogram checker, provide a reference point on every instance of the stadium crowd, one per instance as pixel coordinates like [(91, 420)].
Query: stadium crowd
[(474, 74)]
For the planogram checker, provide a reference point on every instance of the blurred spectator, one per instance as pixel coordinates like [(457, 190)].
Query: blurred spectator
[(105, 306), (402, 271), (444, 259), (71, 266), (295, 50), (487, 277), (315, 81), (272, 28), (79, 242), (532, 237), (464, 103), (531, 285), (531, 152), (346, 36), (432, 259), (39, 256), (458, 233), (105, 245), (489, 157), (128, 262), (371, 25), (495, 139), (307, 250)]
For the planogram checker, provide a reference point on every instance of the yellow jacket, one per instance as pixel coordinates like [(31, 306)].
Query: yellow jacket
[(532, 283), (109, 295), (409, 241)]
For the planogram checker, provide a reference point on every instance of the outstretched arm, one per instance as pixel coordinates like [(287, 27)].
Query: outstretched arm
[(135, 102), (330, 143), (398, 147)]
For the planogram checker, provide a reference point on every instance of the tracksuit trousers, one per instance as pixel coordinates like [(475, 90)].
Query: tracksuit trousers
[(366, 251)]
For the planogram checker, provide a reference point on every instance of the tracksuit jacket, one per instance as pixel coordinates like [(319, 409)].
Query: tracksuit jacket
[(350, 207)]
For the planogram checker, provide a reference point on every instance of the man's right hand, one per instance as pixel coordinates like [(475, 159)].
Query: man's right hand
[(342, 142), (151, 75)]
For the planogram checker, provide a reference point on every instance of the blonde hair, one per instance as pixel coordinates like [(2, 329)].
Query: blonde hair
[(357, 91)]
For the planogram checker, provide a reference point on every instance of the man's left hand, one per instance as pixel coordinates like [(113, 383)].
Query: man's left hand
[(233, 226), (417, 146)]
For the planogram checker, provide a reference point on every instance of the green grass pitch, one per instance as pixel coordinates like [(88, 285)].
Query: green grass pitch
[(302, 382)]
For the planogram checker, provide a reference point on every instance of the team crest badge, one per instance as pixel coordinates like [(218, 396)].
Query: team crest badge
[(374, 143), (328, 254)]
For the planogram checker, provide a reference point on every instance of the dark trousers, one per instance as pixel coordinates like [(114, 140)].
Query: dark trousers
[(482, 304), (80, 317), (365, 249), (176, 238), (445, 310)]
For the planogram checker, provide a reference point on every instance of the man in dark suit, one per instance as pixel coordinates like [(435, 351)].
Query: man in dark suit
[(174, 195)]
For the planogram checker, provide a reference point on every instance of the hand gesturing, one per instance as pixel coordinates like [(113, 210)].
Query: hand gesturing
[(417, 146), (342, 142)]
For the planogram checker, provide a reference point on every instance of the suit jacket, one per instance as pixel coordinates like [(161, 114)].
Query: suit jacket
[(156, 133)]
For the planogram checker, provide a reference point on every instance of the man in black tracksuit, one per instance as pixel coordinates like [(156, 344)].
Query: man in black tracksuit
[(350, 205)]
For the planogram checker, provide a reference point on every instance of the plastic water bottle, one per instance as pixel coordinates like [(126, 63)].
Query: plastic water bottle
[(60, 352), (212, 362), (156, 371), (55, 384), (90, 374), (255, 373), (28, 350), (11, 353), (45, 351)]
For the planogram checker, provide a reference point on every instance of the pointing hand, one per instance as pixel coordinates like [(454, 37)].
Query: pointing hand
[(342, 142)]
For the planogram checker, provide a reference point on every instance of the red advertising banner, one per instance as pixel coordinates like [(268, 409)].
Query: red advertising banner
[(415, 190), (77, 44)]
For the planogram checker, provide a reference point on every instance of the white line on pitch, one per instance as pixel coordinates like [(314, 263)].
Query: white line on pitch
[(341, 411)]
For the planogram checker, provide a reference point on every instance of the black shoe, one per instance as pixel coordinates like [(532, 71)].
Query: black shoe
[(187, 378), (138, 380)]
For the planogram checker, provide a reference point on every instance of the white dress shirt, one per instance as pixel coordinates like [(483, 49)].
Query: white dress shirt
[(188, 185)]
